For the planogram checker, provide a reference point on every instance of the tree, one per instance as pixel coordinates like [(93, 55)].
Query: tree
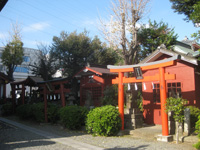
[(176, 105), (190, 8), (153, 36), (13, 53), (74, 51), (185, 7), (121, 31), (47, 64)]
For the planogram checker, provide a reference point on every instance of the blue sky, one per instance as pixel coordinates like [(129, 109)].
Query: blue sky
[(40, 20)]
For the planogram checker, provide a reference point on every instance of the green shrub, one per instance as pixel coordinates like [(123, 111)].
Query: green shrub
[(194, 113), (52, 113), (7, 109), (197, 127), (24, 111), (73, 117), (104, 121), (38, 112)]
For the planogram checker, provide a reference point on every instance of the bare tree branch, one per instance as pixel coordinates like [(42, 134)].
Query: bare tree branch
[(121, 30)]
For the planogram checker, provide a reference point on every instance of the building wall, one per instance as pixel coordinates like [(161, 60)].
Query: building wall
[(184, 74)]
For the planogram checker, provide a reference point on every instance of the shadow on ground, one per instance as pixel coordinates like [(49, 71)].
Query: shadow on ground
[(142, 147), (12, 137)]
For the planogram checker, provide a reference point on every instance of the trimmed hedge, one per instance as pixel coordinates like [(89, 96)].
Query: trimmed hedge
[(73, 117), (38, 112), (24, 111), (103, 121), (7, 109), (53, 113)]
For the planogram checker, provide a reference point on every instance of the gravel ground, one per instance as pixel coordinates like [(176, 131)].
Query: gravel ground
[(32, 141)]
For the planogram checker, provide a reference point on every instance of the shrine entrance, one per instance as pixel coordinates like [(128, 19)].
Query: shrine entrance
[(162, 76)]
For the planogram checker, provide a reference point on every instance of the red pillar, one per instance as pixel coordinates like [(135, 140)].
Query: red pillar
[(121, 97), (45, 103), (163, 97), (62, 95)]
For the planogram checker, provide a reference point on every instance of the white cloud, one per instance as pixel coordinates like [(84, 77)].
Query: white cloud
[(36, 27)]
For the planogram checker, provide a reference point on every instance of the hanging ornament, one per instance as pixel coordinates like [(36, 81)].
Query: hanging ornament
[(129, 86), (144, 86), (136, 87), (153, 85)]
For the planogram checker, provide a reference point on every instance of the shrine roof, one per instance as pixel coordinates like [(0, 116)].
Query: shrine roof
[(162, 50), (88, 70)]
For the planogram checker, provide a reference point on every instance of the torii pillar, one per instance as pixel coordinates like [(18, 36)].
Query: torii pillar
[(161, 77)]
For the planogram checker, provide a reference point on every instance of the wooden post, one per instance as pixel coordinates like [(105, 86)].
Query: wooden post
[(4, 92), (163, 97), (62, 96), (121, 97), (13, 97), (45, 104)]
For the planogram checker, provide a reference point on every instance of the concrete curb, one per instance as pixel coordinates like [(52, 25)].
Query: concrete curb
[(63, 140)]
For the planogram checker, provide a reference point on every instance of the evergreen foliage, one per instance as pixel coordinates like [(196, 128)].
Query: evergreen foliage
[(176, 105), (73, 117), (197, 145), (24, 111), (103, 121), (185, 7), (153, 36), (194, 114), (7, 109), (73, 51)]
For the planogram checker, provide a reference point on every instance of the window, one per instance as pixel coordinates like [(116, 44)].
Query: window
[(156, 93), (26, 59), (21, 69), (174, 89)]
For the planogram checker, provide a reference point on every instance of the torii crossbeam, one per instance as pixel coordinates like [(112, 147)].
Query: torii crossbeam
[(162, 77)]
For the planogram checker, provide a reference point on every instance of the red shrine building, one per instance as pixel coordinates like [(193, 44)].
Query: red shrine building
[(186, 84), (93, 80)]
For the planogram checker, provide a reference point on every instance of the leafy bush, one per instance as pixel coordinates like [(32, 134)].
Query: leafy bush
[(7, 109), (197, 145), (104, 121), (177, 105), (24, 111), (73, 117), (52, 113), (38, 112), (194, 114), (110, 95)]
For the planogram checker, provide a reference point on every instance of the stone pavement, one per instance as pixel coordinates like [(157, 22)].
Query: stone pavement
[(63, 140), (55, 137)]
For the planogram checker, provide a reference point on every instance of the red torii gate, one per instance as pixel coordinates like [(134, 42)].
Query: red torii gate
[(162, 77)]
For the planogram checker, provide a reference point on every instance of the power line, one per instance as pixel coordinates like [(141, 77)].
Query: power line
[(56, 17)]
